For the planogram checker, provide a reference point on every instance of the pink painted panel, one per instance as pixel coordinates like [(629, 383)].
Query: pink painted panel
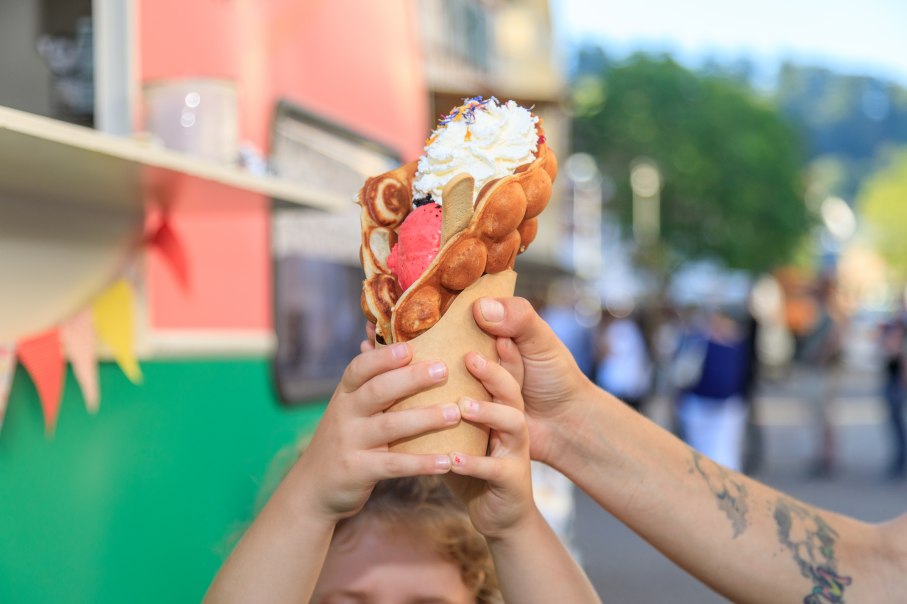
[(224, 234), (188, 39), (354, 62)]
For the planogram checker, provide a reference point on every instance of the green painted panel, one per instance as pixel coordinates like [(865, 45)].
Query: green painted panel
[(141, 502)]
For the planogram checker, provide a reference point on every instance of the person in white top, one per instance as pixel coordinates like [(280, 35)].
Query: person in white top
[(624, 367)]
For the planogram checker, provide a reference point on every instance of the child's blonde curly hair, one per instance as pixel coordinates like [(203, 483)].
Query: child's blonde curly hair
[(425, 506)]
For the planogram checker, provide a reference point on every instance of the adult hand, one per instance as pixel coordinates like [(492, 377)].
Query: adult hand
[(554, 389)]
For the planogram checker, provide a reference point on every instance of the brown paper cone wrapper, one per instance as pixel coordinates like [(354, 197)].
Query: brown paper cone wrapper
[(455, 334)]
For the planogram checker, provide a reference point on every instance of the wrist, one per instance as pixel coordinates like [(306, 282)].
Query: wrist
[(299, 498), (568, 433), (522, 530)]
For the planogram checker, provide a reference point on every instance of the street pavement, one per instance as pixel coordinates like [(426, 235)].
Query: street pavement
[(626, 570)]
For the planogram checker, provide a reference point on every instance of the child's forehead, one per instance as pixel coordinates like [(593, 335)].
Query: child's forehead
[(373, 559)]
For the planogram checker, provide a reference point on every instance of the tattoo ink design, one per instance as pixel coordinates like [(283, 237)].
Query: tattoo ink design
[(730, 494), (811, 541)]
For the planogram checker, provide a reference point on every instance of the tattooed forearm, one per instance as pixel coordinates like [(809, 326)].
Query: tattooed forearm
[(812, 542), (729, 493)]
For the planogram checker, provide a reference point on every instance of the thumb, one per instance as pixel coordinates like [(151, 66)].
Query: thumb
[(515, 318)]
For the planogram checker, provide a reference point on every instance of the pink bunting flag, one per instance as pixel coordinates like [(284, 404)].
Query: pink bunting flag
[(7, 370), (81, 347), (42, 356)]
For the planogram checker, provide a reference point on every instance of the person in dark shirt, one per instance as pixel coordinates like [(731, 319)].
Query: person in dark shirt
[(894, 337), (712, 411)]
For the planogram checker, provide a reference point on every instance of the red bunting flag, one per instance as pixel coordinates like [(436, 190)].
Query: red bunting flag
[(42, 357), (166, 242)]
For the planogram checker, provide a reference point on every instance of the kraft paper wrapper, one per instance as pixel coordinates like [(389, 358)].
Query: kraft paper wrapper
[(455, 334)]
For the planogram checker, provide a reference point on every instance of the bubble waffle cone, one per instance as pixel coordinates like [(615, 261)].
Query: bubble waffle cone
[(504, 222), (450, 339)]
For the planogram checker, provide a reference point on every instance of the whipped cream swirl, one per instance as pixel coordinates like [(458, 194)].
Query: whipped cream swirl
[(482, 138)]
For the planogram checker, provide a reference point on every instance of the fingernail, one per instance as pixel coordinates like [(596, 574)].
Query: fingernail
[(478, 361), (442, 462), (437, 370), (451, 413), (457, 459), (469, 406), (492, 310), (398, 351)]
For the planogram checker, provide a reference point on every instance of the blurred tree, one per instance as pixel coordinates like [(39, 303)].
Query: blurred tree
[(882, 203), (850, 118), (730, 164)]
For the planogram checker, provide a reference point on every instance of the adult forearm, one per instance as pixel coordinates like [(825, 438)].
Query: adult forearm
[(742, 538), (532, 566)]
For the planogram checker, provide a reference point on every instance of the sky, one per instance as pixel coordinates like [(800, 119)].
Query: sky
[(859, 37)]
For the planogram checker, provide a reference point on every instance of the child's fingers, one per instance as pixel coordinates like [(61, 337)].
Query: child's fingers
[(383, 464), (380, 392), (510, 359), (369, 342), (373, 362), (508, 422), (497, 381), (392, 426), (492, 469)]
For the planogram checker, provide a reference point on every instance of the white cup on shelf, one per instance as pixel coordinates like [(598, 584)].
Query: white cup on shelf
[(197, 116)]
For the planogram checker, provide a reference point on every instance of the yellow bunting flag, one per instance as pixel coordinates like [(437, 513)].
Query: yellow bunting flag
[(113, 319), (42, 357), (79, 341), (7, 370)]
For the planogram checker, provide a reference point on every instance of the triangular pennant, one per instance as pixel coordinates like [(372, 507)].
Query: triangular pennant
[(113, 319), (7, 370), (79, 341), (169, 244), (42, 357)]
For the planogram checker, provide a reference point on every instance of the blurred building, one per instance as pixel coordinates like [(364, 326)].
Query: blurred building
[(506, 49), (211, 90)]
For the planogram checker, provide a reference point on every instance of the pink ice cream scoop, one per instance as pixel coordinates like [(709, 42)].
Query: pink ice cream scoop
[(418, 241)]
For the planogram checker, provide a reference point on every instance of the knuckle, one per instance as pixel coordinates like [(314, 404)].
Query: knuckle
[(391, 422), (395, 465), (418, 376), (370, 391), (352, 370), (495, 471)]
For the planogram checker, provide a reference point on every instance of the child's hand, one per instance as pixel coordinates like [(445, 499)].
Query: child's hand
[(505, 500), (349, 451)]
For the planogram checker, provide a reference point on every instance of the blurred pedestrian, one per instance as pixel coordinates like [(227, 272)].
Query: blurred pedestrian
[(894, 338), (559, 311), (624, 366), (818, 352), (753, 443), (553, 492), (712, 410)]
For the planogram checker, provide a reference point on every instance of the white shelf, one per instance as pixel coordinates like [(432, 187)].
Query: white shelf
[(72, 207), (45, 159)]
